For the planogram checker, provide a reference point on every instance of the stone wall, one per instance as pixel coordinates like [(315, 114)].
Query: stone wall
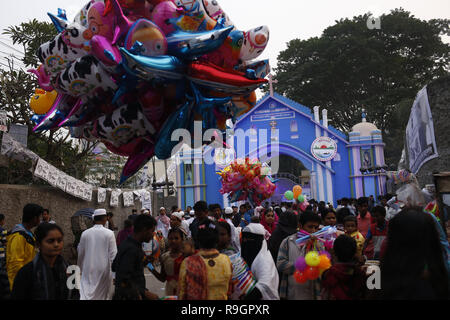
[(439, 99), (61, 205)]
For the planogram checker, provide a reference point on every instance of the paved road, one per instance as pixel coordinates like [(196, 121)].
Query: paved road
[(154, 285)]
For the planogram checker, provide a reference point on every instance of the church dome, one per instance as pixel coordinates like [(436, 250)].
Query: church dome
[(364, 128)]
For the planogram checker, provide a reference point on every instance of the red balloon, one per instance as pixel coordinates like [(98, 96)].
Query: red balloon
[(312, 273), (300, 277), (222, 79)]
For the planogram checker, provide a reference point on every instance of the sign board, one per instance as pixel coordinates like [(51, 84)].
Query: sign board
[(19, 133), (324, 149)]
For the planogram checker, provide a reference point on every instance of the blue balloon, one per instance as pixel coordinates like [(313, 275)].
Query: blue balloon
[(204, 106), (37, 118), (179, 120), (147, 68), (59, 22), (50, 121), (190, 45)]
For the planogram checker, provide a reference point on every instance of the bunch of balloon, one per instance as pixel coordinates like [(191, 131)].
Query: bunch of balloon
[(129, 73), (311, 266), (296, 194), (247, 180)]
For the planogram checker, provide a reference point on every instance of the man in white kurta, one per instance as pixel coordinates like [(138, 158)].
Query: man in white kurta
[(96, 252)]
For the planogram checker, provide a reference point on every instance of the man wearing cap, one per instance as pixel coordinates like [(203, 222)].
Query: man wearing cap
[(96, 252), (163, 222), (234, 233)]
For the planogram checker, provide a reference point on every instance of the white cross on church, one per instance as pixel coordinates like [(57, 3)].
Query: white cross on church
[(271, 82)]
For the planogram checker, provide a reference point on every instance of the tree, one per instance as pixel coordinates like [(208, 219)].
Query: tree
[(16, 89), (351, 67)]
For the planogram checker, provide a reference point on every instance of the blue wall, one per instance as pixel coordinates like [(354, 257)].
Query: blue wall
[(297, 130)]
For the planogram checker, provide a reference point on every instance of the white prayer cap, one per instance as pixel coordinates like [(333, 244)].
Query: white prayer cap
[(99, 212), (228, 210), (179, 215), (192, 213), (146, 211), (162, 208), (255, 228)]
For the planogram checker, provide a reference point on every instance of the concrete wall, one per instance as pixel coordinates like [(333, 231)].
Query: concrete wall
[(439, 98), (61, 205)]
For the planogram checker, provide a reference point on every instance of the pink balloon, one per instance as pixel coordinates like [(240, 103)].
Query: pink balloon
[(164, 11)]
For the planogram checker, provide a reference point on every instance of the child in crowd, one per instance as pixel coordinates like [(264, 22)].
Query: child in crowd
[(377, 233), (288, 254), (188, 248), (171, 262), (351, 229), (364, 217), (345, 280)]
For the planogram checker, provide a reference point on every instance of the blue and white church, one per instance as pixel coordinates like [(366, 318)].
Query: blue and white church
[(300, 147)]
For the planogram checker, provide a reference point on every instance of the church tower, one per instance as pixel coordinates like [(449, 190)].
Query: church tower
[(366, 155)]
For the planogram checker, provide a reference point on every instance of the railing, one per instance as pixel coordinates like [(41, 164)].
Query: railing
[(287, 175)]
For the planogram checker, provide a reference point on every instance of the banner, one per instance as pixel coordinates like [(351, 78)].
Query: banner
[(101, 195), (128, 199), (115, 197), (420, 139)]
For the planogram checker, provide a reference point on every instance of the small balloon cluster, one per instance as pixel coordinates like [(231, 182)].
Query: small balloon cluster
[(247, 180), (296, 194), (311, 266), (128, 73)]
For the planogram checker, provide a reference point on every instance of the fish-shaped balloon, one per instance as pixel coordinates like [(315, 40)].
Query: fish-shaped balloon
[(228, 81), (189, 45), (165, 67)]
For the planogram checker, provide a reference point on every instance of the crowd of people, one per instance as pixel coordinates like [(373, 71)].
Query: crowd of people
[(233, 253)]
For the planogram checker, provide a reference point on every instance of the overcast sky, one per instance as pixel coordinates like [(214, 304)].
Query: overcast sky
[(287, 19)]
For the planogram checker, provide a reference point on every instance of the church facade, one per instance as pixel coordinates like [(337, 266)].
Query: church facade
[(300, 148)]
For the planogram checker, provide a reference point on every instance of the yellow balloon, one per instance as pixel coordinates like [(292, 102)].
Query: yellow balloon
[(297, 191), (312, 259), (42, 101)]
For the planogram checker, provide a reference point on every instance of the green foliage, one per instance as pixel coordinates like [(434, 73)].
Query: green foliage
[(351, 67), (16, 89), (31, 35)]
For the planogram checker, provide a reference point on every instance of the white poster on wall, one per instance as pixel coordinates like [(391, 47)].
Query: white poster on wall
[(115, 197), (420, 139), (101, 195), (88, 192), (128, 199), (52, 176), (42, 169), (62, 181), (71, 185)]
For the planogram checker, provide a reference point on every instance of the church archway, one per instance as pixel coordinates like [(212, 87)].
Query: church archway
[(291, 172)]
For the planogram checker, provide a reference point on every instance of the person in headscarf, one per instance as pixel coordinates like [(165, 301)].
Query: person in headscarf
[(255, 253), (287, 225), (163, 222), (269, 220)]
